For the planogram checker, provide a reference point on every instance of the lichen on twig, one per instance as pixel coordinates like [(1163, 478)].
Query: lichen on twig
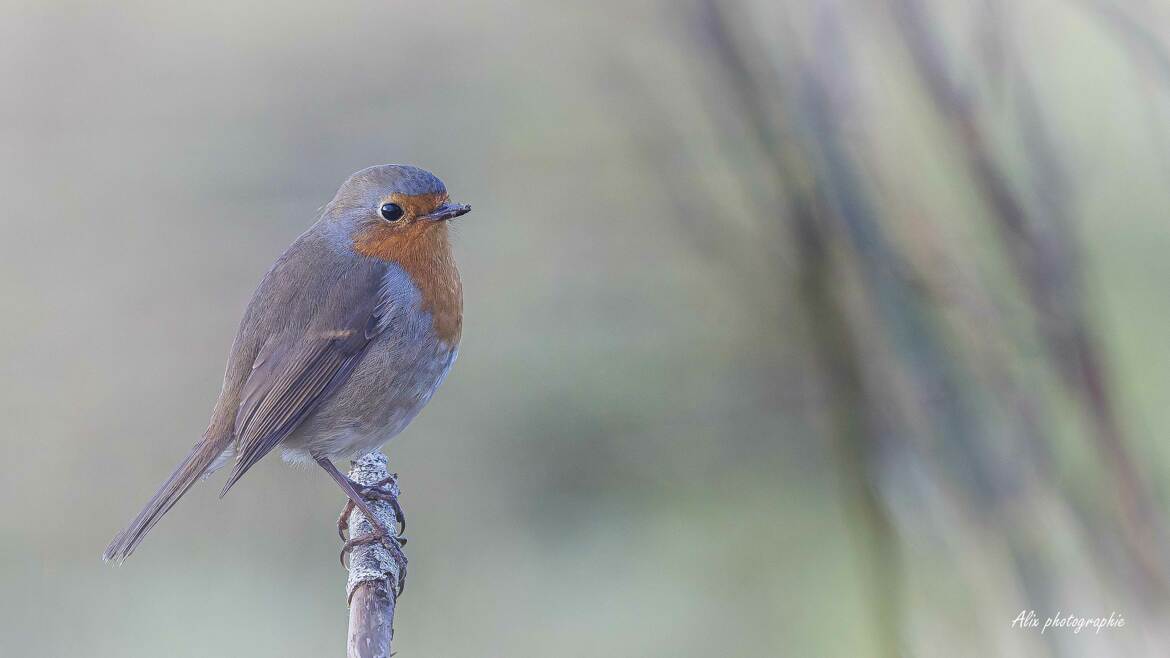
[(375, 578)]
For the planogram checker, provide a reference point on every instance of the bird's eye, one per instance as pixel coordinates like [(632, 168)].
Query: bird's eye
[(391, 212)]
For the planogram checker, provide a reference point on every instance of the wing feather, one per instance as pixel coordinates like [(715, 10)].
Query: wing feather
[(296, 371)]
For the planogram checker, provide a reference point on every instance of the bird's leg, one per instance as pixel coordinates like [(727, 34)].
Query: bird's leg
[(381, 490), (351, 491), (356, 493), (355, 499), (377, 494)]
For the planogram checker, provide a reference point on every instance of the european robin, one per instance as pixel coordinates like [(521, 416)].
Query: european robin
[(345, 340)]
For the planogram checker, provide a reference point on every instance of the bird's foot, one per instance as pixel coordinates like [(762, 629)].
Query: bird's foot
[(392, 543), (385, 490), (343, 520)]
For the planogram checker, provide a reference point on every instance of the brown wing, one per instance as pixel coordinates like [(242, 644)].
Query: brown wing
[(300, 368)]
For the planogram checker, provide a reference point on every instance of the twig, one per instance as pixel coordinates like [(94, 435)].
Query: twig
[(373, 573)]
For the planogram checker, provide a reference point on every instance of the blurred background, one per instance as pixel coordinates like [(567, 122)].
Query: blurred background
[(814, 328)]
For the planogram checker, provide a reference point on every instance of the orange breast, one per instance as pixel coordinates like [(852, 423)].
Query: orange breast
[(424, 252)]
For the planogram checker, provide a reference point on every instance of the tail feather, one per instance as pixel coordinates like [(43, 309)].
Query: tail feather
[(203, 458)]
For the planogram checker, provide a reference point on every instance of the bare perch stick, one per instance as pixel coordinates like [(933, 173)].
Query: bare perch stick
[(373, 573)]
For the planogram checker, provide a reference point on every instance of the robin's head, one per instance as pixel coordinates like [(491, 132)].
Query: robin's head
[(386, 209)]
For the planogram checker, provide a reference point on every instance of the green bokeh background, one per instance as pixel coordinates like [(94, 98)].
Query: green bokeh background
[(622, 462)]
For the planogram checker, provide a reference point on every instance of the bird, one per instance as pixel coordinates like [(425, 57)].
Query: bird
[(345, 340)]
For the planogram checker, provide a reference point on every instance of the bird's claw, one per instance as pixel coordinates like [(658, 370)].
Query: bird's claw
[(343, 520), (382, 494), (384, 490), (393, 544), (380, 490)]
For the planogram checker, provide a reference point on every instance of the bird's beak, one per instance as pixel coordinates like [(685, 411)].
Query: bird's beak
[(447, 211)]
